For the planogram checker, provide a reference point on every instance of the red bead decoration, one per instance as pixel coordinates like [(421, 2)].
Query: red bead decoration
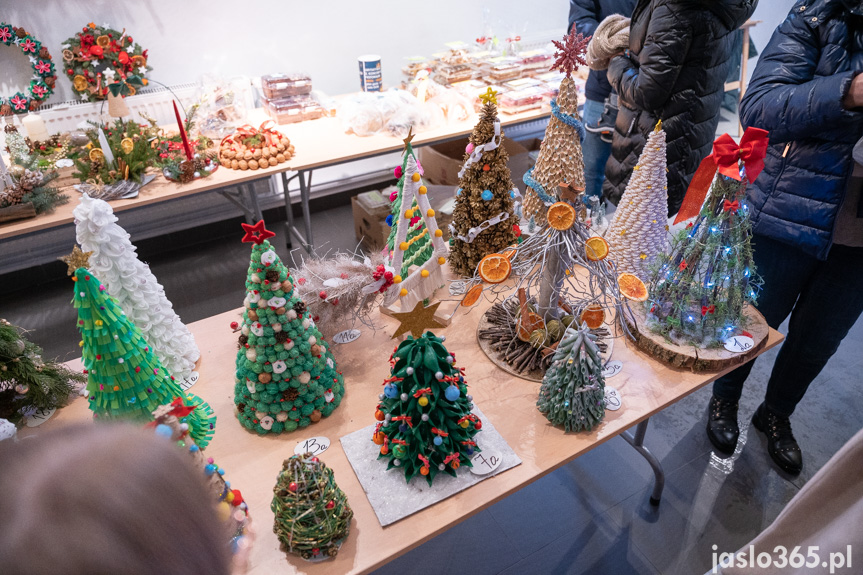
[(292, 487), (486, 168), (331, 504), (234, 325)]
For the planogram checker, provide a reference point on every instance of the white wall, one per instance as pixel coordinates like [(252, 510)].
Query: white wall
[(186, 38), (771, 13)]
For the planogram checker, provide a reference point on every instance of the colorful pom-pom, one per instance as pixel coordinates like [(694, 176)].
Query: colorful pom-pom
[(487, 195)]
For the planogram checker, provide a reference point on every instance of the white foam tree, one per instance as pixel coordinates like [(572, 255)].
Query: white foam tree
[(133, 285)]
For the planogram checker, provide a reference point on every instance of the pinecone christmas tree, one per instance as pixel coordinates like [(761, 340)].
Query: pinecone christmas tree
[(133, 285), (483, 217), (312, 515), (286, 376), (573, 389), (639, 231)]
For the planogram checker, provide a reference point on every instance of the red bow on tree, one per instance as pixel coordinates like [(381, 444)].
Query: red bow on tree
[(180, 410), (724, 159), (706, 309), (730, 206)]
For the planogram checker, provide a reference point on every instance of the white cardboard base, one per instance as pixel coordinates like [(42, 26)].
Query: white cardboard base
[(392, 498)]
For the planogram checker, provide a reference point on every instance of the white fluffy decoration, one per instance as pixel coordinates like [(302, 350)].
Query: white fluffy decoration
[(134, 286)]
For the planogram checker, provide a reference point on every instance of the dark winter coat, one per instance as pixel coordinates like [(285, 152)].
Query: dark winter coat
[(680, 51), (586, 15), (795, 93)]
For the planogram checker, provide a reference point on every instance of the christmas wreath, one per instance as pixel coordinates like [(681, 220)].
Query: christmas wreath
[(42, 84), (98, 59)]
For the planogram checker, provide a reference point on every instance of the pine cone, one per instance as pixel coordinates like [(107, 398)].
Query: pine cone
[(187, 171), (31, 180), (199, 163), (12, 196), (6, 110)]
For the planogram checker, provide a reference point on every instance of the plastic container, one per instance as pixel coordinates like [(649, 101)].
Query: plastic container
[(504, 71), (276, 86), (538, 60), (293, 109), (521, 100), (454, 73)]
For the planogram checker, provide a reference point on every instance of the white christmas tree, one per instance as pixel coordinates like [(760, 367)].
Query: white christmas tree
[(133, 285), (639, 231)]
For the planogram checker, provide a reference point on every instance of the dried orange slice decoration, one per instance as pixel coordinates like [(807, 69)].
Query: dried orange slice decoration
[(128, 145), (632, 287), (593, 315), (509, 252), (561, 216), (96, 155), (494, 268), (472, 296), (596, 248)]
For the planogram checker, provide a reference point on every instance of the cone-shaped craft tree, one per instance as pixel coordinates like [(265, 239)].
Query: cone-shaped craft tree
[(425, 425), (313, 516), (639, 231), (483, 217), (573, 389), (560, 159), (698, 290), (125, 379), (286, 376), (414, 239), (133, 285)]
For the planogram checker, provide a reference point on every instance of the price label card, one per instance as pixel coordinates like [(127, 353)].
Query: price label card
[(64, 163), (39, 417), (346, 336), (313, 445), (187, 383), (612, 399), (612, 368), (484, 462), (739, 344)]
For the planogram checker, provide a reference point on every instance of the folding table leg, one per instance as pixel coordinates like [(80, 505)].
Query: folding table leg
[(289, 224), (637, 441)]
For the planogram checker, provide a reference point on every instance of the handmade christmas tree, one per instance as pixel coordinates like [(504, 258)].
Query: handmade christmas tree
[(286, 376), (29, 384), (414, 239), (133, 285), (698, 290), (125, 379), (313, 516), (639, 232), (573, 389), (425, 423), (560, 159), (483, 217)]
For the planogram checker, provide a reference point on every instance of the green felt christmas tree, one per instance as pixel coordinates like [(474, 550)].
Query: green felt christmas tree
[(573, 389), (125, 379), (425, 423), (286, 376)]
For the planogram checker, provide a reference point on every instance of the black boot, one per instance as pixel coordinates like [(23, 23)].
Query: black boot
[(781, 444), (722, 428)]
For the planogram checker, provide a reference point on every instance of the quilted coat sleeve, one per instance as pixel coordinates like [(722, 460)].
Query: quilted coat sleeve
[(648, 83), (784, 96), (584, 14)]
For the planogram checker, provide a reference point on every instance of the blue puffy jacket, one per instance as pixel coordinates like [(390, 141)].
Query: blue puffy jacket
[(795, 93)]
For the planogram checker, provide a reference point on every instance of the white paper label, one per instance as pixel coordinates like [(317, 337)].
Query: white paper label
[(39, 417), (739, 344), (612, 399), (313, 445), (192, 380), (346, 336), (612, 368), (64, 163), (484, 462)]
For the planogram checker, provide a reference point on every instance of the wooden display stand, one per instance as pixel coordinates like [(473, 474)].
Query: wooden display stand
[(694, 358)]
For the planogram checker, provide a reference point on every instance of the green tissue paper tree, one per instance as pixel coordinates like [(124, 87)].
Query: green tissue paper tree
[(573, 389), (425, 423)]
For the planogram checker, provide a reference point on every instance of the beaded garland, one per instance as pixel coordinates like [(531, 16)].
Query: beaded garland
[(44, 78)]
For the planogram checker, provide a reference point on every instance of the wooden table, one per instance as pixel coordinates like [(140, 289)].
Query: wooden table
[(252, 462)]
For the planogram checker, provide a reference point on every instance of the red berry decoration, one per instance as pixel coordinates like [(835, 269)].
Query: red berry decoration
[(234, 325), (331, 504), (323, 294), (292, 487)]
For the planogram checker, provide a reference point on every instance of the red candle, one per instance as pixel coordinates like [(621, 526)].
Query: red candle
[(186, 146)]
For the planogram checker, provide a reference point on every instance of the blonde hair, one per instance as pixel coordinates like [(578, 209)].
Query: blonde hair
[(106, 499)]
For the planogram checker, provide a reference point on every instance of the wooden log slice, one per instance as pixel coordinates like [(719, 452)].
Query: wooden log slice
[(17, 212), (694, 358)]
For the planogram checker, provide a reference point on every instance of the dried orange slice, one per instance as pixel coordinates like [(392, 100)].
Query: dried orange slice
[(527, 324), (509, 252), (494, 268), (593, 315), (472, 296), (128, 145), (632, 287), (596, 248), (96, 155), (561, 216)]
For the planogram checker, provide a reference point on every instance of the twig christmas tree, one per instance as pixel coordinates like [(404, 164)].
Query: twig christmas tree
[(425, 425), (573, 389), (698, 290), (560, 159), (313, 516), (483, 217), (414, 239), (133, 285), (639, 232), (286, 376), (125, 379)]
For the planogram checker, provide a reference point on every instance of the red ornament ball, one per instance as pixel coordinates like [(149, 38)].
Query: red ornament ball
[(486, 167), (293, 487), (331, 504), (234, 325), (478, 424), (323, 294)]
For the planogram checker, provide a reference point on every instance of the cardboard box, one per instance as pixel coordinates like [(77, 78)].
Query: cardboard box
[(442, 162)]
